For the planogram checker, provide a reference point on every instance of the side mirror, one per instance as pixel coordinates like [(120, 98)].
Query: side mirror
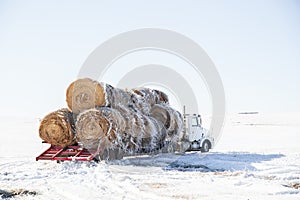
[(200, 120)]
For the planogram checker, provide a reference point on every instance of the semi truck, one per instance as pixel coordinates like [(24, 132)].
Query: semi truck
[(197, 137)]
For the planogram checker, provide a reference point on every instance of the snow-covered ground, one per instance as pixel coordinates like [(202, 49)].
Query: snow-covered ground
[(257, 157)]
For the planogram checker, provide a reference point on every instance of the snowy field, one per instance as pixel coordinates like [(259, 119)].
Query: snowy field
[(257, 157)]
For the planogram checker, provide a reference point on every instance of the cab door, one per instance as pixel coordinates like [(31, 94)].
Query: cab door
[(195, 129)]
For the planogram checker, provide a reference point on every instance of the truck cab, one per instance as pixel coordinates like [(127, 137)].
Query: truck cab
[(198, 137)]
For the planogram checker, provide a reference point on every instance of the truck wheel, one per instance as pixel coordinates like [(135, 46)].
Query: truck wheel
[(205, 146)]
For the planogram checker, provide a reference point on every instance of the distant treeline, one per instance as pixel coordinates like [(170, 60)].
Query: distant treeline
[(248, 113)]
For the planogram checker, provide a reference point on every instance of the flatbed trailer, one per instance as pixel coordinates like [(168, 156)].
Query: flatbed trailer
[(68, 153)]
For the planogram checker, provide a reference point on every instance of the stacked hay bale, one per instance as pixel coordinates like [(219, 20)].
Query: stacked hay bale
[(58, 128), (104, 117)]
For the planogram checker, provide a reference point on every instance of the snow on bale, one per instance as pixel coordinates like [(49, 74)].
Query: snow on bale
[(101, 127), (162, 97), (58, 128), (170, 118), (145, 98), (86, 93), (155, 134), (109, 128), (138, 120), (116, 97), (135, 129)]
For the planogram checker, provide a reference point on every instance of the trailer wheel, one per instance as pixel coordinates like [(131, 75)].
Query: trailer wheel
[(205, 146)]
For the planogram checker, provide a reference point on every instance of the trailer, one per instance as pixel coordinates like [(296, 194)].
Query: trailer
[(68, 153), (195, 138)]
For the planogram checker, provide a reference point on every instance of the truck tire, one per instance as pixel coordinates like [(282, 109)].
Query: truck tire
[(205, 146)]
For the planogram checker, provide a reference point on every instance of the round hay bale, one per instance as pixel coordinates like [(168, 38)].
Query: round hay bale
[(145, 98), (149, 96), (84, 94), (139, 104), (171, 118), (162, 97), (134, 128), (155, 134), (119, 97), (133, 119), (162, 114), (57, 128), (100, 128)]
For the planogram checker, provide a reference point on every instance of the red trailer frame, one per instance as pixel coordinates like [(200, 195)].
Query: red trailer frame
[(68, 153)]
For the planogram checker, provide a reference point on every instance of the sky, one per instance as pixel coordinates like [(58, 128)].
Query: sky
[(255, 46)]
